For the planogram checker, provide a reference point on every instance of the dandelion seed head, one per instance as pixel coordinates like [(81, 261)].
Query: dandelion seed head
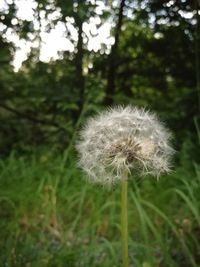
[(124, 138)]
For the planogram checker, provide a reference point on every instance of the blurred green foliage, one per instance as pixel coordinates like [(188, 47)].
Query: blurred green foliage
[(152, 65)]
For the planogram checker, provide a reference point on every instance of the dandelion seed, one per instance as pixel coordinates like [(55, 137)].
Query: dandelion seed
[(121, 139)]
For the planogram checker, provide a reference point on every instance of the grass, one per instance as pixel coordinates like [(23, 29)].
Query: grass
[(51, 217)]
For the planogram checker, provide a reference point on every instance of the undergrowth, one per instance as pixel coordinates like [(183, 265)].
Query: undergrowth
[(51, 217)]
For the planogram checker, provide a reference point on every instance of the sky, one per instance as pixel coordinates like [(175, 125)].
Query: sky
[(55, 40)]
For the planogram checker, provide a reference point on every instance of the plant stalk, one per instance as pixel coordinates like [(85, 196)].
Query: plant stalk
[(124, 219)]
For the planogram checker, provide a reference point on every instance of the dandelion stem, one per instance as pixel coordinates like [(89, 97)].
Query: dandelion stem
[(124, 219)]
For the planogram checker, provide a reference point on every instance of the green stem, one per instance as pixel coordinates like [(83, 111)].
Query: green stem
[(124, 219)]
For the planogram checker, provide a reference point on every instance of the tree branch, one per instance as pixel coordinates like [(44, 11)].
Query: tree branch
[(23, 115)]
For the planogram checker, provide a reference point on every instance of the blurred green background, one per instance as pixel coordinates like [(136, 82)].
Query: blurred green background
[(61, 62)]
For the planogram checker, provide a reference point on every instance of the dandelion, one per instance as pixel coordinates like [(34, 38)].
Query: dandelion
[(121, 141)]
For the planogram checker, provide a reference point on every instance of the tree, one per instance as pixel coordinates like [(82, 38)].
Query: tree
[(112, 59)]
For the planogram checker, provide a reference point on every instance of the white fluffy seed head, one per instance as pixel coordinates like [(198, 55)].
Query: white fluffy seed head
[(121, 139)]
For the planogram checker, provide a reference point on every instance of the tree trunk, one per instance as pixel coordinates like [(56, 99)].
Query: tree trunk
[(80, 80), (111, 87), (197, 51)]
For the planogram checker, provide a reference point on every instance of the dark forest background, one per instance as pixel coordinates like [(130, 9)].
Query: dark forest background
[(154, 62), (49, 215)]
